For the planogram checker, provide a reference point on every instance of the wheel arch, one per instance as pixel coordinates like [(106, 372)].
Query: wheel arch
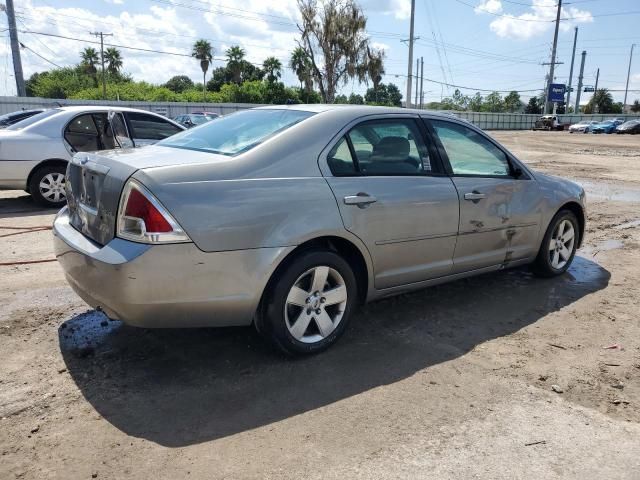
[(578, 211), (44, 163), (346, 248)]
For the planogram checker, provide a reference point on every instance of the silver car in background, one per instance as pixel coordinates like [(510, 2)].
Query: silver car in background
[(584, 126), (34, 152), (289, 217)]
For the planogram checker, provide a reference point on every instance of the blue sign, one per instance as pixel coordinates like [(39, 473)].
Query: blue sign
[(556, 92)]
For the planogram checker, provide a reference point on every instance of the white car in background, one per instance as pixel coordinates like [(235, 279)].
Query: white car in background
[(34, 152), (584, 126)]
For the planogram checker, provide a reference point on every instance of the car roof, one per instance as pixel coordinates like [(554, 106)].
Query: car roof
[(358, 110), (92, 108)]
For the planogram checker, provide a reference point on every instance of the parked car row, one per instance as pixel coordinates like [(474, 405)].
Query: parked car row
[(614, 125)]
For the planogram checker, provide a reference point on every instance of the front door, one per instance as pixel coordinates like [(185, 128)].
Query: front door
[(393, 195), (500, 207)]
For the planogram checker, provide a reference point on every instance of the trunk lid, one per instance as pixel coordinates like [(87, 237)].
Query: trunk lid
[(95, 182)]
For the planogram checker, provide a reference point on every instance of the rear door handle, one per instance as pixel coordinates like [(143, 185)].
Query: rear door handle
[(361, 199), (474, 196)]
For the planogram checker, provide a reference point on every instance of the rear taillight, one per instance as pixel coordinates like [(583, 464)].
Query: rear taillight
[(141, 218)]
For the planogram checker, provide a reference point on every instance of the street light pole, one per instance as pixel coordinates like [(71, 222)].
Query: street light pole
[(626, 89)]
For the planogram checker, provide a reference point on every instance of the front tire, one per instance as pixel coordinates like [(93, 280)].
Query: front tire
[(558, 245), (309, 303), (47, 186)]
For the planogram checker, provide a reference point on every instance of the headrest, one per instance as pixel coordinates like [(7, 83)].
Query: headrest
[(395, 148)]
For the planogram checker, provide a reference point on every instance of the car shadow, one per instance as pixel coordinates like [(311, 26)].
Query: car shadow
[(181, 387), (22, 206)]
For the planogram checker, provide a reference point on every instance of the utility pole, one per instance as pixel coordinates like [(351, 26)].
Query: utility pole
[(584, 56), (553, 58), (415, 104), (595, 90), (421, 82), (573, 57), (15, 48), (104, 81), (626, 89), (410, 67)]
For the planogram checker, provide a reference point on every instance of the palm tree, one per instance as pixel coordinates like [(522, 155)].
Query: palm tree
[(601, 102), (375, 68), (114, 60), (299, 64), (89, 58), (273, 68), (203, 51), (235, 56)]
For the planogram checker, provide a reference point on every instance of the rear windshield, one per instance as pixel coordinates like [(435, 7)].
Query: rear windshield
[(236, 133), (31, 120)]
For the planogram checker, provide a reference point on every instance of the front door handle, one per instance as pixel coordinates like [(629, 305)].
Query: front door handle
[(474, 196), (361, 199)]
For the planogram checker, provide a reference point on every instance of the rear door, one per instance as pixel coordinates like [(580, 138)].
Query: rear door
[(500, 205), (393, 194), (148, 129)]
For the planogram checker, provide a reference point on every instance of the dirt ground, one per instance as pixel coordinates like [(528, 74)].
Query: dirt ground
[(451, 382)]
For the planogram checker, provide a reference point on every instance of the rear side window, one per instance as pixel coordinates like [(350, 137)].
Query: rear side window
[(382, 147), (150, 127), (236, 133), (82, 124), (469, 152)]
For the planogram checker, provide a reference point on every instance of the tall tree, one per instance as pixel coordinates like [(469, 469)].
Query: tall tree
[(635, 108), (179, 83), (113, 57), (333, 35), (89, 61), (475, 103), (512, 102), (533, 106), (493, 103), (300, 64), (273, 69), (203, 51), (235, 58), (601, 102), (373, 68)]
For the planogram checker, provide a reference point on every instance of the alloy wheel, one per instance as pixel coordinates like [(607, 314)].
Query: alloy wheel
[(315, 304), (561, 244), (52, 187)]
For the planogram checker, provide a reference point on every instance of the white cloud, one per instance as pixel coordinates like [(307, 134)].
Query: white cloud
[(489, 6), (535, 22), (400, 9)]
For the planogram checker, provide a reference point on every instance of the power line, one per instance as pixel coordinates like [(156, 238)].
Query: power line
[(36, 53)]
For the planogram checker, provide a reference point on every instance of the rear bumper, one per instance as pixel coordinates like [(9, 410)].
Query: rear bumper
[(157, 286)]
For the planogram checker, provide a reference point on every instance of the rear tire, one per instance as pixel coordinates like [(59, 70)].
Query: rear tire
[(309, 304), (558, 245), (47, 186)]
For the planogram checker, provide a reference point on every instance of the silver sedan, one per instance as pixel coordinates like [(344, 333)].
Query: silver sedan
[(288, 218), (34, 152)]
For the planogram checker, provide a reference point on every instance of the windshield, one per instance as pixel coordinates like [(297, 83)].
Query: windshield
[(236, 133), (198, 119), (31, 120)]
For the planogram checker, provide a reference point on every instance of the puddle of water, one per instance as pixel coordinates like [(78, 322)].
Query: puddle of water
[(602, 246), (605, 191), (631, 224)]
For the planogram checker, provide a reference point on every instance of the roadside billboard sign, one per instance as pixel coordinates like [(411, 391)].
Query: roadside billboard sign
[(556, 92)]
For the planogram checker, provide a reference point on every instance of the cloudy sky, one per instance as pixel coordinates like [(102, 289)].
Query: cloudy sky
[(481, 44)]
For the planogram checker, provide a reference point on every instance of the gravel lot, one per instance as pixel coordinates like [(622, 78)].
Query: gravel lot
[(450, 382)]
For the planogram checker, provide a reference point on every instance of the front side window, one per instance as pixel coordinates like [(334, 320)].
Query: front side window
[(237, 133), (149, 127), (390, 147), (469, 152)]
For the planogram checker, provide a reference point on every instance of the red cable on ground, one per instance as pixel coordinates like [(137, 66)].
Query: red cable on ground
[(26, 262)]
